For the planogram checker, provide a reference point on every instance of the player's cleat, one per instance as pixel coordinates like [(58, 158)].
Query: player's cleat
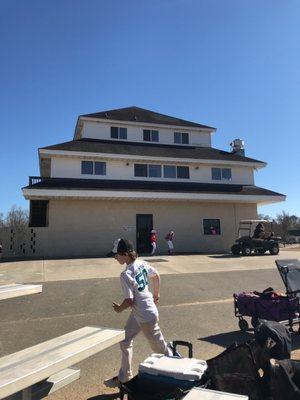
[(112, 382)]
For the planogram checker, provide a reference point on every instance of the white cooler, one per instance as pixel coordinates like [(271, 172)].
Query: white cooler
[(181, 372)]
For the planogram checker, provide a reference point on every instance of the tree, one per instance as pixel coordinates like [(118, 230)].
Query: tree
[(17, 218), (2, 222), (287, 222), (265, 217)]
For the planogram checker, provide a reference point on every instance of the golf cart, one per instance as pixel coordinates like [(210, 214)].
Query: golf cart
[(255, 236)]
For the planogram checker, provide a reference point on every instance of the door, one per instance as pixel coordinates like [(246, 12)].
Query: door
[(144, 225)]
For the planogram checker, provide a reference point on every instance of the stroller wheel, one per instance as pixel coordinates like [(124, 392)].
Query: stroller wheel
[(243, 325)]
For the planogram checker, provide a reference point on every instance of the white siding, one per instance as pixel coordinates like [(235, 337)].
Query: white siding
[(70, 167), (99, 130)]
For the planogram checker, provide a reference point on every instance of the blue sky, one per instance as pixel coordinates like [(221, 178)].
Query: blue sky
[(231, 64)]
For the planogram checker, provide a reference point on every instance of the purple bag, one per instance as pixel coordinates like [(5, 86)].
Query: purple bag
[(275, 308)]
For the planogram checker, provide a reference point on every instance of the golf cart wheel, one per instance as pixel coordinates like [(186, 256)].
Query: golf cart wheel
[(274, 250), (235, 249), (243, 325), (246, 250)]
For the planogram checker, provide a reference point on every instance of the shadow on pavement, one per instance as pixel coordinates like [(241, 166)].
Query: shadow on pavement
[(226, 339), (19, 259), (218, 256), (111, 396)]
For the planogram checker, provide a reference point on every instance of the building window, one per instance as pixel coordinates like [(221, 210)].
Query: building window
[(150, 135), (100, 168), (183, 172), (170, 171), (93, 168), (87, 167), (118, 133), (145, 170), (181, 137), (226, 174), (218, 174), (154, 171), (38, 215), (140, 170), (211, 227)]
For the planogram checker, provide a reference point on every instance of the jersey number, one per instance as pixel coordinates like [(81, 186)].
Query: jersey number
[(142, 280)]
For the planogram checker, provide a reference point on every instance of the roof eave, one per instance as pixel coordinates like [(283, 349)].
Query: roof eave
[(78, 126), (82, 154), (31, 194)]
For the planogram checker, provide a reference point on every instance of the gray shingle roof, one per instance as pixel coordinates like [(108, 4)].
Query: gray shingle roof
[(183, 187), (137, 114), (147, 149)]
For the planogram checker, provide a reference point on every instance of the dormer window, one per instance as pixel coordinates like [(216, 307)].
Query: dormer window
[(93, 168), (150, 135), (221, 174), (118, 133), (181, 138)]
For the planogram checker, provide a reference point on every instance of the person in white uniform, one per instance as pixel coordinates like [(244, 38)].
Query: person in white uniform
[(113, 251), (169, 238), (144, 313)]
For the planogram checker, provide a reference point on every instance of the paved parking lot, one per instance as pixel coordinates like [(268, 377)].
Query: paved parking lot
[(196, 305)]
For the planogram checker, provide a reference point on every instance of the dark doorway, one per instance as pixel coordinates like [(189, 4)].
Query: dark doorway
[(144, 225)]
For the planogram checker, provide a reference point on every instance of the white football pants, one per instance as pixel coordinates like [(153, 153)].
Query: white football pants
[(153, 248), (153, 334)]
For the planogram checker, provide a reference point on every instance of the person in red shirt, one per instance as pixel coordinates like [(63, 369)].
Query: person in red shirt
[(153, 240)]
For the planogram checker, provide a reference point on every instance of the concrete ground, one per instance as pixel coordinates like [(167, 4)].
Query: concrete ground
[(98, 268), (196, 305)]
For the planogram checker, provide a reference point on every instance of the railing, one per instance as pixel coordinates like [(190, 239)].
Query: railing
[(35, 179)]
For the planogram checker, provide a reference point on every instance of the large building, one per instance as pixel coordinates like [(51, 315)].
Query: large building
[(131, 170)]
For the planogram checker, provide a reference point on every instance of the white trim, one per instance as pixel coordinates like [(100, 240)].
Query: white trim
[(140, 195), (111, 156)]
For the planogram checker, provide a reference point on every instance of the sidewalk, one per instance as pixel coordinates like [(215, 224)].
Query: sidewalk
[(97, 268)]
